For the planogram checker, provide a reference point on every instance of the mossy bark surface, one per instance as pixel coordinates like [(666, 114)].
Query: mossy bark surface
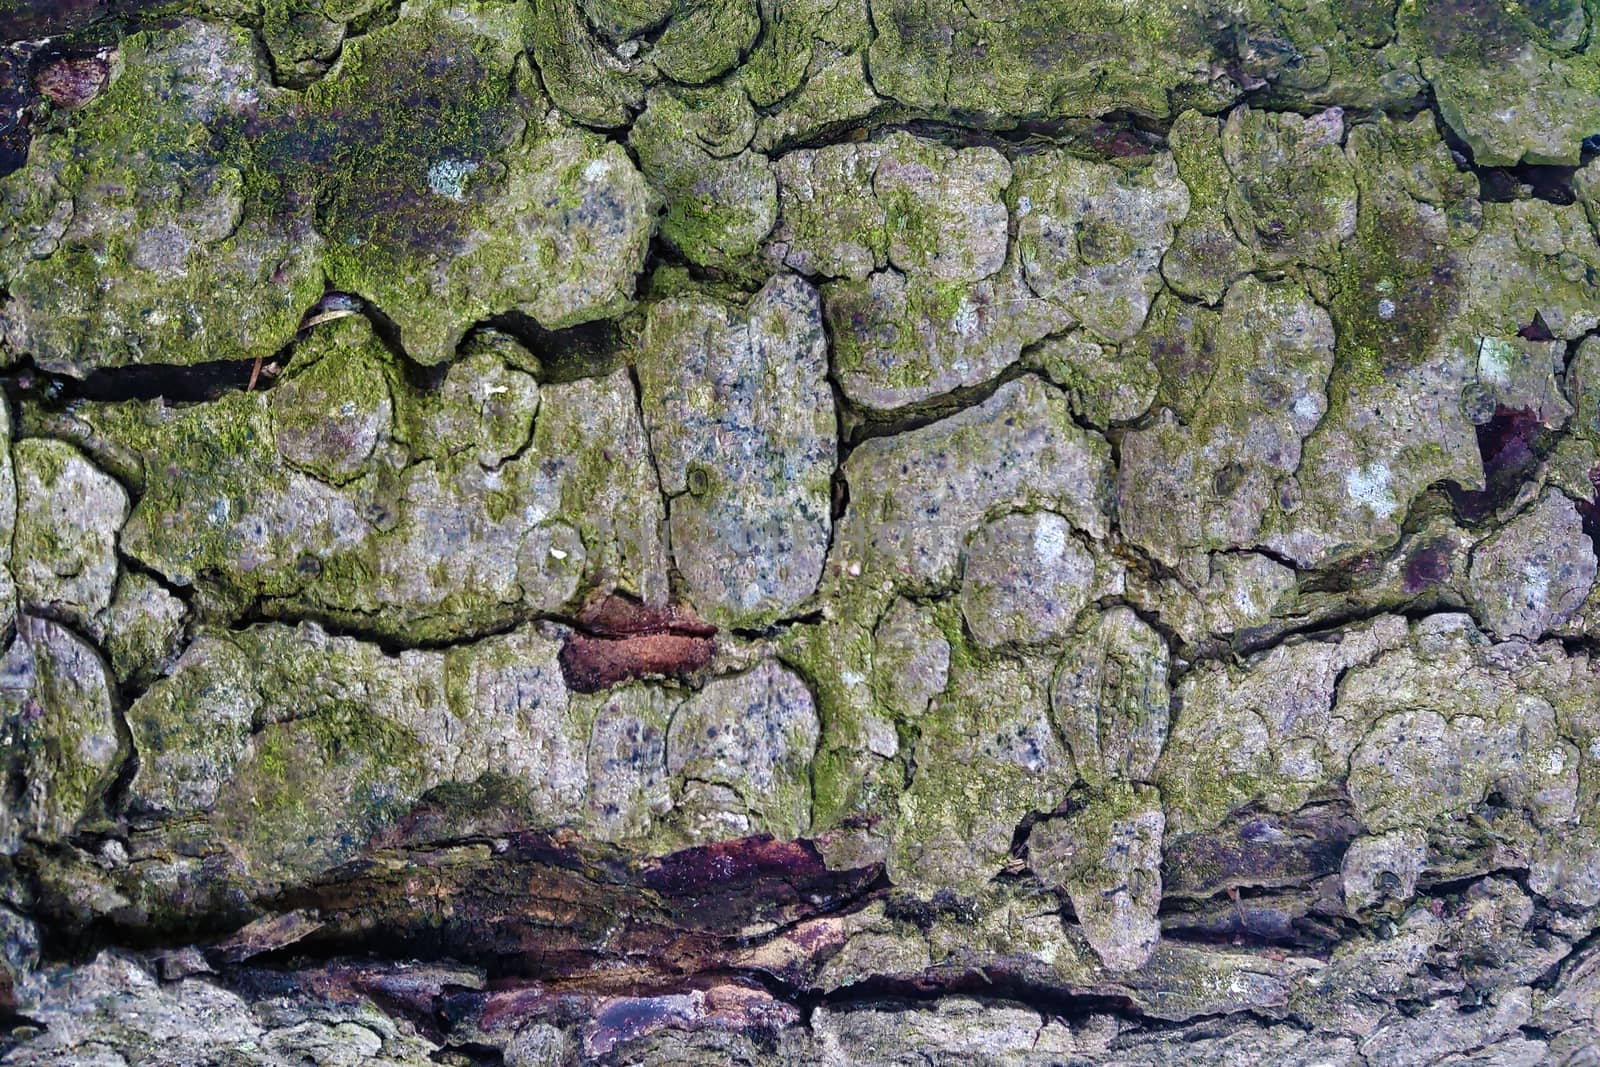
[(799, 531)]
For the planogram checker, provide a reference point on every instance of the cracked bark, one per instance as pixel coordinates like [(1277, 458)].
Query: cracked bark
[(1308, 921)]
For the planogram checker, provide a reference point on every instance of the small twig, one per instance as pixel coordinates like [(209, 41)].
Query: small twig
[(255, 372), (328, 315), (1238, 910)]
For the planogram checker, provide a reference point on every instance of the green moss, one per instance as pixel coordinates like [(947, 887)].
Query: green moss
[(300, 37), (62, 743), (272, 758), (911, 225), (418, 107), (705, 39), (1399, 280), (707, 232), (1032, 61), (341, 579), (577, 80), (312, 791), (777, 65), (931, 308), (1294, 188), (1469, 31), (1478, 54), (834, 787), (206, 466), (1201, 799), (1368, 22), (225, 204), (162, 265), (835, 660), (134, 119), (623, 19), (1395, 290), (335, 406), (986, 756), (721, 201)]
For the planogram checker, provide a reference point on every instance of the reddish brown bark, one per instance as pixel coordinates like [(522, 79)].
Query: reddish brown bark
[(618, 639), (72, 81), (551, 906)]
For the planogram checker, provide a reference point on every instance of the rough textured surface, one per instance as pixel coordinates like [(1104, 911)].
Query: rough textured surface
[(225, 200), (1210, 471), (1532, 575), (348, 493), (742, 429), (68, 515), (927, 299), (1025, 580), (799, 532), (1091, 236)]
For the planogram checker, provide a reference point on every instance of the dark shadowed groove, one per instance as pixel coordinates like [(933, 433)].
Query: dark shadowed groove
[(590, 350)]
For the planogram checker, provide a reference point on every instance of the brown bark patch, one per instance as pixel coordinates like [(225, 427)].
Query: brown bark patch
[(70, 82), (557, 908), (617, 639)]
